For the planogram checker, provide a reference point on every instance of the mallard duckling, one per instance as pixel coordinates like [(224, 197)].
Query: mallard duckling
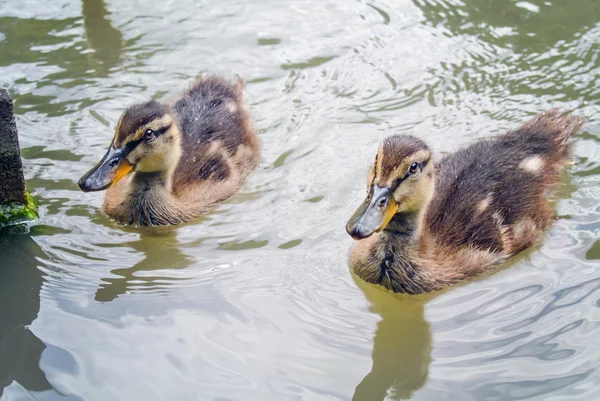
[(168, 163), (423, 227)]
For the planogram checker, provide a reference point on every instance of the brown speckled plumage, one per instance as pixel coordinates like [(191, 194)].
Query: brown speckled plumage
[(199, 152), (486, 203)]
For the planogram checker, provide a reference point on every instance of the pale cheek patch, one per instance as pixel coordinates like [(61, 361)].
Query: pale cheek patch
[(133, 156), (532, 164)]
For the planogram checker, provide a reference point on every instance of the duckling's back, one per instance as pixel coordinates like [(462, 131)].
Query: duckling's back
[(218, 142), (493, 195)]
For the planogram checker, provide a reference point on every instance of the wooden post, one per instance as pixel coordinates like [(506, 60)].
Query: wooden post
[(12, 183), (16, 205)]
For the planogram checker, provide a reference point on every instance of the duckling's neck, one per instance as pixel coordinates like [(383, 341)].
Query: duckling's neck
[(392, 259), (154, 181), (151, 201), (404, 224)]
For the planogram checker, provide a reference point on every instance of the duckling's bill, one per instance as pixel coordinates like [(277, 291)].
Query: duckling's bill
[(113, 166), (374, 214)]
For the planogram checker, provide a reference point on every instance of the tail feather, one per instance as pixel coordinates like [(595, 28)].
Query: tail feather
[(557, 124)]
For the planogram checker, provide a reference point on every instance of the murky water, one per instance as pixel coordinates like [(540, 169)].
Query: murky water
[(255, 301)]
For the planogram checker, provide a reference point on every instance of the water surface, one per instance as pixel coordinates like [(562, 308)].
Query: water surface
[(255, 300)]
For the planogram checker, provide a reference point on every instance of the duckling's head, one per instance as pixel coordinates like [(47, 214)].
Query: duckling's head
[(400, 181), (147, 140)]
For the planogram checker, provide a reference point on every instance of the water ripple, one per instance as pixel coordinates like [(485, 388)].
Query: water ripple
[(255, 301)]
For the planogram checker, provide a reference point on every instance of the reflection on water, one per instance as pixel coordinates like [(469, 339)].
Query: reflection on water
[(161, 251), (528, 27), (106, 40), (401, 347), (255, 301), (20, 283), (70, 61)]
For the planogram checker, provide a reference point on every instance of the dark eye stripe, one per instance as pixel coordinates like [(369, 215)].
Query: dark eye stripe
[(132, 145), (158, 131), (162, 130), (396, 183)]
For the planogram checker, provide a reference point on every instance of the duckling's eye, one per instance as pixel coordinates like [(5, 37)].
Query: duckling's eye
[(149, 135), (413, 168)]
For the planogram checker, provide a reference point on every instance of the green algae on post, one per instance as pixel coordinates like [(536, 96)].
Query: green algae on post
[(17, 213)]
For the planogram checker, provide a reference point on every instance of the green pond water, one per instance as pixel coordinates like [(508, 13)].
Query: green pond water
[(255, 300)]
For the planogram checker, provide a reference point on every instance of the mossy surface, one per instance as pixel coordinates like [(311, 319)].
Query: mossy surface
[(18, 214)]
